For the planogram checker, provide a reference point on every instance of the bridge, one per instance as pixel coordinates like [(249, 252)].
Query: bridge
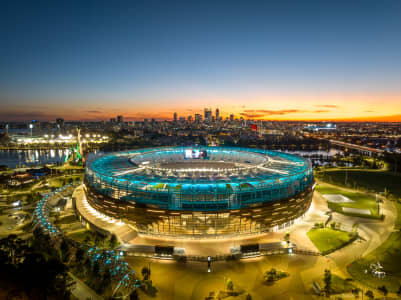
[(362, 149)]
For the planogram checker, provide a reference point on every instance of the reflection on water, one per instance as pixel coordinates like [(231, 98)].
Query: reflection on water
[(13, 158)]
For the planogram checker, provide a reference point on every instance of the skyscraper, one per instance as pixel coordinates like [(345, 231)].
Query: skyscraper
[(217, 114), (232, 117), (198, 118), (175, 117), (208, 115)]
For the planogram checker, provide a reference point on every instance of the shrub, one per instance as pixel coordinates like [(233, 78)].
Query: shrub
[(369, 294), (383, 289), (230, 285)]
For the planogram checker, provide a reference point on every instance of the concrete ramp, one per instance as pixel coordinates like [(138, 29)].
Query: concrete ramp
[(337, 198)]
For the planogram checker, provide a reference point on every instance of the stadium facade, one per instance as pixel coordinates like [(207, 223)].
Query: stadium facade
[(201, 191)]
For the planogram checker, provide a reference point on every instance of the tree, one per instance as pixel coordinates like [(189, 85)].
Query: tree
[(79, 255), (369, 294), (40, 275), (86, 239), (287, 237), (230, 284), (399, 291), (113, 241), (134, 295), (327, 281), (106, 279), (96, 269), (271, 274), (248, 297), (145, 273), (355, 292), (79, 259), (64, 250), (383, 289)]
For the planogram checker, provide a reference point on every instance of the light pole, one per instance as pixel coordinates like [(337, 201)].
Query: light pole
[(31, 127)]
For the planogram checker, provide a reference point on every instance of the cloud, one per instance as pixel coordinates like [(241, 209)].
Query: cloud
[(274, 112), (93, 111), (261, 113), (368, 111), (327, 105), (252, 115)]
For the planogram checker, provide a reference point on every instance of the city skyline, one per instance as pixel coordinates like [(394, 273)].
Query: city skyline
[(272, 61)]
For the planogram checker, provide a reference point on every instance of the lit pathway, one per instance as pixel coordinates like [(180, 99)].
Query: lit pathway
[(123, 231)]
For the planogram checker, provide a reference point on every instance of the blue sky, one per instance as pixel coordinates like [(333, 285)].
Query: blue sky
[(150, 58)]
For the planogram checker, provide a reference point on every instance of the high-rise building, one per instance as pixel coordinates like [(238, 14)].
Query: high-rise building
[(232, 117), (120, 119), (217, 114), (175, 117), (60, 122), (189, 118), (208, 115), (198, 118)]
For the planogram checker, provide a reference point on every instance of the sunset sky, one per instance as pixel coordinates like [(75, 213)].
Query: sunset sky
[(303, 60)]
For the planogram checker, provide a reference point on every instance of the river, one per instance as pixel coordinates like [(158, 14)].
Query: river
[(14, 158), (29, 158)]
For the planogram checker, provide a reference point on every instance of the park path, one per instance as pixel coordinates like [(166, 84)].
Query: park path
[(82, 291)]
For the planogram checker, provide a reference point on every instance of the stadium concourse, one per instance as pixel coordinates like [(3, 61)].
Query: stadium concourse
[(128, 235)]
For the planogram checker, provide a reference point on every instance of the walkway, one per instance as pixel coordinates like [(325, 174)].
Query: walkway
[(123, 231), (82, 291)]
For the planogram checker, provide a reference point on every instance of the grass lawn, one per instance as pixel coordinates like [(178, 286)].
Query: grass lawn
[(366, 179), (361, 200), (68, 219), (80, 236), (328, 240), (63, 180), (93, 238), (389, 256), (340, 285), (68, 166)]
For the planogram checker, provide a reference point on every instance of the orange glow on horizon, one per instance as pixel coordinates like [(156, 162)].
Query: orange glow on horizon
[(358, 107)]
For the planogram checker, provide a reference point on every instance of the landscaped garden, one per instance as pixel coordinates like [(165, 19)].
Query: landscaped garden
[(358, 202), (389, 253), (328, 240), (333, 284), (273, 275), (389, 256), (94, 238)]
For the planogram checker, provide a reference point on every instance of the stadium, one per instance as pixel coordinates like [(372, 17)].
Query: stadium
[(200, 191)]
